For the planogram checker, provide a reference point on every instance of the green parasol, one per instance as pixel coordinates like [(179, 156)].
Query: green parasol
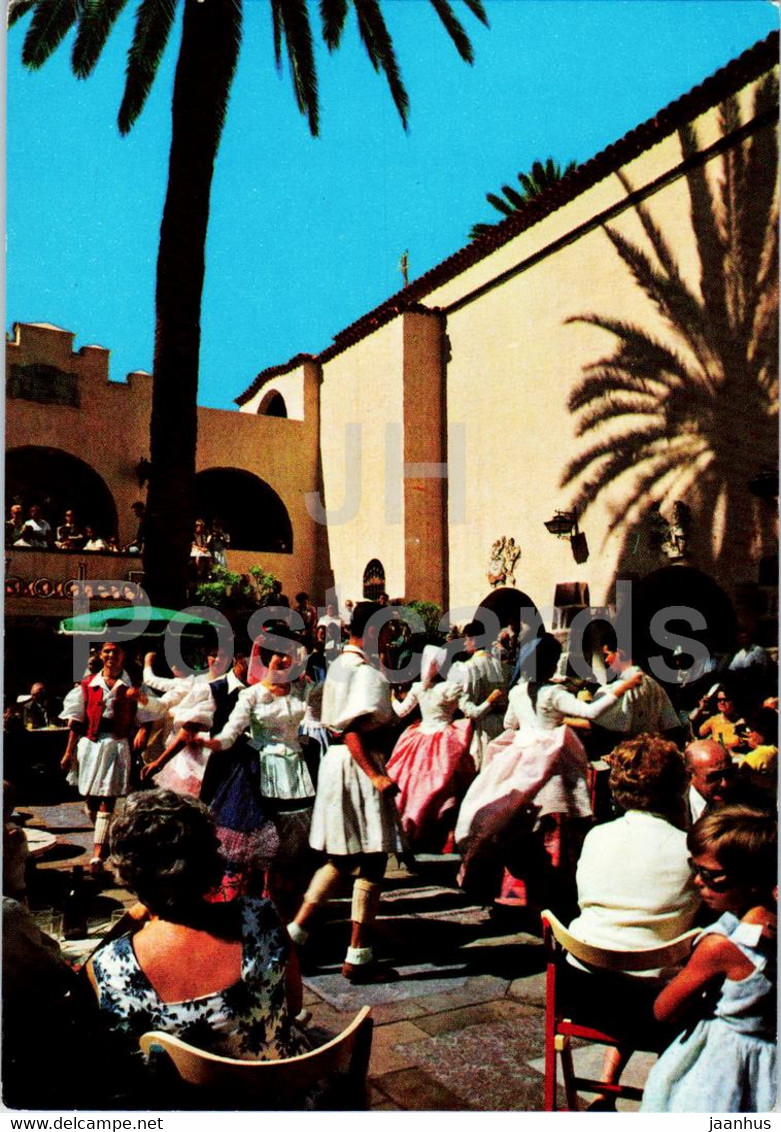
[(135, 620)]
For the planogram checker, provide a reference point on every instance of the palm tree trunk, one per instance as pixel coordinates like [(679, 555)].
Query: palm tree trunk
[(207, 60)]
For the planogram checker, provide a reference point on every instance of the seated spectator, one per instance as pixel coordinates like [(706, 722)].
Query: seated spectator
[(93, 541), (762, 758), (14, 524), (711, 774), (48, 1025), (723, 1003), (727, 725), (69, 534), (35, 532), (200, 555), (635, 890), (35, 709), (221, 976), (749, 654)]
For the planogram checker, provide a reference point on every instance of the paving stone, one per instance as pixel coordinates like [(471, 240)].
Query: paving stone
[(385, 1057), (326, 1018), (416, 1091), (396, 1012), (486, 1065), (588, 1063), (416, 983), (450, 1020), (478, 988), (529, 989)]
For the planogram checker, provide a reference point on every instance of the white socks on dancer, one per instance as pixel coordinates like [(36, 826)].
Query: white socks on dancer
[(297, 934), (359, 956)]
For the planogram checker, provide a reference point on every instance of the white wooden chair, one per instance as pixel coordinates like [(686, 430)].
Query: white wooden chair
[(274, 1084)]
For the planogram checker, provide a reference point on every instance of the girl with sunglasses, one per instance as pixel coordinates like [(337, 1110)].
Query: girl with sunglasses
[(725, 996)]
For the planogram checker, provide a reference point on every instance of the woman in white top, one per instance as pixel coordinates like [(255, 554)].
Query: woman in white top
[(635, 890), (269, 781), (532, 785), (431, 762)]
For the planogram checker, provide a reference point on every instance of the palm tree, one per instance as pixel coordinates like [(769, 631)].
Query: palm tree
[(211, 37), (533, 184), (699, 416)]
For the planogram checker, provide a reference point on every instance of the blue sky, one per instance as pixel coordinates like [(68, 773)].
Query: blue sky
[(306, 234)]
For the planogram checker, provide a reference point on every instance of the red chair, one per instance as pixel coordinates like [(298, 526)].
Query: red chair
[(559, 1029)]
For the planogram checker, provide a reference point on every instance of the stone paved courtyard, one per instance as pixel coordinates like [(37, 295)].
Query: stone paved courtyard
[(462, 1029)]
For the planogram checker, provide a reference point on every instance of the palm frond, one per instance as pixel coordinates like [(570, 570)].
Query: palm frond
[(667, 465), (153, 25), (761, 162), (477, 231), (632, 442), (477, 9), (674, 300), (513, 198), (276, 29), (379, 47), (333, 16), (296, 30), (95, 23), (499, 204), (662, 249), (51, 22), (604, 380), (19, 8), (631, 452), (711, 242), (454, 29), (639, 351), (619, 403)]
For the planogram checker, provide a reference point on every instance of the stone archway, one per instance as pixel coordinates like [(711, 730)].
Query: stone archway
[(251, 511), (59, 481)]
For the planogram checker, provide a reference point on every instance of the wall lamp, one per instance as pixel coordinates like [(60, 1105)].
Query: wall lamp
[(564, 524)]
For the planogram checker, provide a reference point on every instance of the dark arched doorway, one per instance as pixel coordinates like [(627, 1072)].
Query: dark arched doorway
[(252, 513), (511, 606), (59, 482), (680, 588), (373, 580)]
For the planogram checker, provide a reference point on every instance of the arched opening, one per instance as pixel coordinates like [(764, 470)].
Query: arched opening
[(252, 513), (511, 606), (273, 405), (373, 580), (671, 598), (59, 482)]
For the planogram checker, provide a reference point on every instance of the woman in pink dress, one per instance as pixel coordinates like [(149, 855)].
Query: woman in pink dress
[(431, 763)]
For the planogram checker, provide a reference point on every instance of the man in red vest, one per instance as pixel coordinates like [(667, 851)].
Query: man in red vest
[(101, 713)]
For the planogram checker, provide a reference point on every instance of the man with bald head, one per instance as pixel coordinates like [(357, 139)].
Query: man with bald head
[(712, 777)]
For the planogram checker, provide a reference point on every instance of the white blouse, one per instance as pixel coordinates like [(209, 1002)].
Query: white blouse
[(273, 723), (438, 705)]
